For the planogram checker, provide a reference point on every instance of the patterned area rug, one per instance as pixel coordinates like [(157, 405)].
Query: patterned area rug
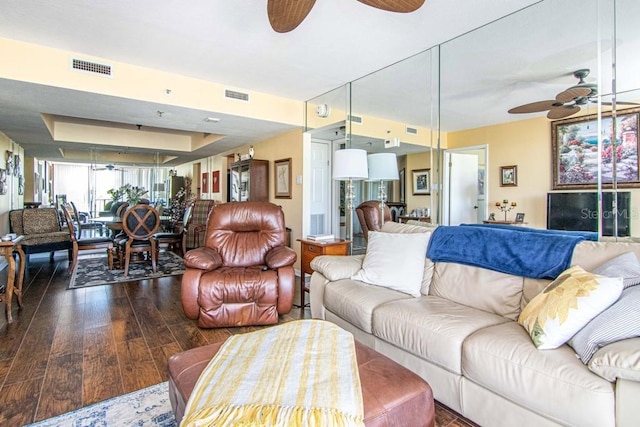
[(93, 270), (147, 407)]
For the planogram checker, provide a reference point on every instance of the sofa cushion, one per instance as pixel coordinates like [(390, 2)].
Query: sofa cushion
[(503, 359), (567, 305), (620, 360), (591, 255), (386, 252), (431, 327), (620, 321), (476, 287), (355, 301), (40, 221), (41, 239)]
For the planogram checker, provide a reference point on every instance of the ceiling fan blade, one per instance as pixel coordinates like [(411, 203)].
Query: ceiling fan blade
[(534, 107), (572, 93), (562, 111), (286, 15), (401, 6)]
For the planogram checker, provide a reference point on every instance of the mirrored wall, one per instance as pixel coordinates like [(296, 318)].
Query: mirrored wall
[(568, 68)]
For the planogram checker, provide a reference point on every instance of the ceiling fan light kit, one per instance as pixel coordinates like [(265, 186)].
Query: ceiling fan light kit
[(286, 15)]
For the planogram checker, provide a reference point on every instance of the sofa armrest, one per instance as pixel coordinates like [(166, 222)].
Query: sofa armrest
[(619, 360), (337, 267)]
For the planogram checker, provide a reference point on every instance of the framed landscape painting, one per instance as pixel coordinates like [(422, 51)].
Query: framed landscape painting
[(576, 155)]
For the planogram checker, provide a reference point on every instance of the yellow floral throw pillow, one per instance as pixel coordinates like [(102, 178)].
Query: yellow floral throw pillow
[(566, 305)]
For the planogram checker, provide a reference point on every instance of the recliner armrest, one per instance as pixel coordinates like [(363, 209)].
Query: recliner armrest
[(280, 256), (203, 259)]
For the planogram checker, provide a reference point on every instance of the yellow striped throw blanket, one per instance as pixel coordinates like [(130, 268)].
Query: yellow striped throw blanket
[(301, 373)]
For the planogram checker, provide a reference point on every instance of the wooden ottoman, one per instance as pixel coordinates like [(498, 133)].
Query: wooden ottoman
[(392, 395)]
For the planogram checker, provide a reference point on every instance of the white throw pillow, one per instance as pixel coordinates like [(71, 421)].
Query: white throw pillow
[(395, 261)]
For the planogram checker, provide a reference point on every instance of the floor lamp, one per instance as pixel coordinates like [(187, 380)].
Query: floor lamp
[(383, 167), (349, 165)]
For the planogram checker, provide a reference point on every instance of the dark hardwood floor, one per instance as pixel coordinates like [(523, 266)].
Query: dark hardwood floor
[(69, 348)]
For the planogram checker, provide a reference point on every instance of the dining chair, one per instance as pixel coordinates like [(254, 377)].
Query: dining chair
[(82, 219), (175, 239), (139, 223), (85, 244)]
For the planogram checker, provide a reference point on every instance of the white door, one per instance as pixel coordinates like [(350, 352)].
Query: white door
[(461, 192), (320, 187)]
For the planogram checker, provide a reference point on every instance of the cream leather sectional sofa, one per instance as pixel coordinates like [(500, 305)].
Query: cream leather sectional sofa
[(461, 335)]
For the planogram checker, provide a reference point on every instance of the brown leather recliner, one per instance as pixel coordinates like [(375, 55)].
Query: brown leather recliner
[(369, 216), (243, 275)]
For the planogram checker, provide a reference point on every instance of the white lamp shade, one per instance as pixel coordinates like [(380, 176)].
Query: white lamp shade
[(350, 163), (383, 167)]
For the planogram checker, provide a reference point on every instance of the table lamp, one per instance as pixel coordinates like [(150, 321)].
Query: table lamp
[(348, 165), (383, 167)]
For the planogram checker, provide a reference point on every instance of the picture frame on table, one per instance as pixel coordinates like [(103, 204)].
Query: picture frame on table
[(508, 176), (421, 181), (282, 174), (575, 151), (519, 217)]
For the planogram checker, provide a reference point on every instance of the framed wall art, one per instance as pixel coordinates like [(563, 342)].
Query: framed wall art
[(508, 176), (576, 152), (205, 182), (421, 181), (282, 173), (215, 181)]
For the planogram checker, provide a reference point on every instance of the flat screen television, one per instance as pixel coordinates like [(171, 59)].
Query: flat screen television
[(577, 211)]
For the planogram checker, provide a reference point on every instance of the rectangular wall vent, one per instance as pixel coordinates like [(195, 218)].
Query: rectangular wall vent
[(91, 67), (232, 94), (411, 131), (355, 119)]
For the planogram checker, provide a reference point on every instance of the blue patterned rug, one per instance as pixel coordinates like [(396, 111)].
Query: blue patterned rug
[(147, 407), (93, 270)]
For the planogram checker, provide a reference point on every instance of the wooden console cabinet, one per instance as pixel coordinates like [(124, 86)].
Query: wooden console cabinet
[(249, 181)]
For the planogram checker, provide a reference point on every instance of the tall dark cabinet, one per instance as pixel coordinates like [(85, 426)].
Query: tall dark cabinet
[(249, 181)]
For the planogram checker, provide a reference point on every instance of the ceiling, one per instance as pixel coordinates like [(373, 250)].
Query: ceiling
[(231, 43)]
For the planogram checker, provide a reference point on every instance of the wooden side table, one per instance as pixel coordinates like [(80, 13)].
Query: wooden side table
[(7, 249), (311, 249)]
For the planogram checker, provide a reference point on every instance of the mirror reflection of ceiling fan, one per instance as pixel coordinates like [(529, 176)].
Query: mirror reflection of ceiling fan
[(109, 167), (286, 15), (569, 101)]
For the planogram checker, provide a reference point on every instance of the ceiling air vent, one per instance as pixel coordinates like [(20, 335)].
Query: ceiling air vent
[(355, 119), (91, 67), (411, 131), (232, 94)]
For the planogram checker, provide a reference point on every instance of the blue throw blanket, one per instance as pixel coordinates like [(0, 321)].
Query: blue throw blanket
[(523, 252)]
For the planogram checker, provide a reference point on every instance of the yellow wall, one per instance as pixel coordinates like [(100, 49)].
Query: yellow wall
[(10, 200), (287, 145), (525, 144)]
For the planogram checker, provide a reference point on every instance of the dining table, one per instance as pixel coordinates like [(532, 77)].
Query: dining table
[(114, 223)]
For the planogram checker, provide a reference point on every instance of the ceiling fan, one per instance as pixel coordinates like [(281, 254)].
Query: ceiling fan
[(109, 167), (286, 15), (567, 102)]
